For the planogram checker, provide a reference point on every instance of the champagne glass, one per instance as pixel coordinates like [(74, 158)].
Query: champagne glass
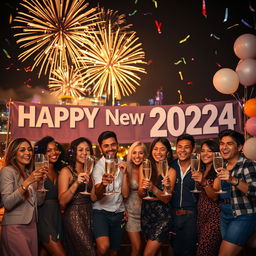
[(164, 169), (109, 169), (147, 172), (195, 166), (88, 167), (41, 161), (114, 172), (218, 165)]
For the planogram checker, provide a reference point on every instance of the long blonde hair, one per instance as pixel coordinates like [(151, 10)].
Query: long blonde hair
[(129, 155)]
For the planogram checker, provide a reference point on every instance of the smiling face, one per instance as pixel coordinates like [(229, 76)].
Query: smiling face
[(109, 147), (24, 154), (52, 152), (138, 155), (159, 151), (229, 148), (184, 150), (206, 154), (83, 149)]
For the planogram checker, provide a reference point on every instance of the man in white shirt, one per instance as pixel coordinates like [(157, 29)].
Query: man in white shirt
[(108, 210)]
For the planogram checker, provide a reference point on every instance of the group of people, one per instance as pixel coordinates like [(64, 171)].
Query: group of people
[(63, 221)]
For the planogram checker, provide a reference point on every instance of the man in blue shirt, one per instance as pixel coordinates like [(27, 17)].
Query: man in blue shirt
[(183, 202)]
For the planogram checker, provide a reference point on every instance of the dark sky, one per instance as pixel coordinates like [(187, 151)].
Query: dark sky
[(209, 47)]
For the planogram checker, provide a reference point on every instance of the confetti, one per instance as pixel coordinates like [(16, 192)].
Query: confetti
[(184, 61), (136, 1), (181, 98), (218, 64), (226, 15), (6, 54), (216, 37), (10, 19), (207, 99), (9, 67), (147, 13), (251, 8), (177, 62), (158, 25), (134, 12), (232, 26), (181, 77), (155, 3), (245, 23), (149, 62), (204, 8), (189, 83), (28, 69), (185, 39)]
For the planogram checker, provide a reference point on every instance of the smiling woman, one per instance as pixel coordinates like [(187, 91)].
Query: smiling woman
[(18, 186), (49, 216)]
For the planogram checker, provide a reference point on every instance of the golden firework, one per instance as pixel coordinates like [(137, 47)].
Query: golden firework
[(111, 63), (53, 31), (67, 82)]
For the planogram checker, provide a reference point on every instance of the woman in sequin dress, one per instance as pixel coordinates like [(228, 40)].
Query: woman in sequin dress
[(77, 207), (49, 223), (155, 213), (208, 218), (136, 154)]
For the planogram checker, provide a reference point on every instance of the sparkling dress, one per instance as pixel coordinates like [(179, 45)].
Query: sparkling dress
[(77, 220), (49, 216), (133, 207), (208, 224), (155, 218)]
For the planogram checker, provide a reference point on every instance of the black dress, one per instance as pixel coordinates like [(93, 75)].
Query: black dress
[(77, 220), (49, 216), (155, 218)]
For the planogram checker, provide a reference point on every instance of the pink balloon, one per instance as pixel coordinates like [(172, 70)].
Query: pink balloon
[(245, 46), (250, 126), (249, 148), (246, 71), (226, 81)]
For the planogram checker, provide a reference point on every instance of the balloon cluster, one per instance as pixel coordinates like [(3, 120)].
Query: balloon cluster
[(227, 81)]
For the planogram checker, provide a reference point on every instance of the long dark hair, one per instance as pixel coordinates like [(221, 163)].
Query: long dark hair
[(73, 149), (169, 157), (41, 148), (11, 152), (214, 146)]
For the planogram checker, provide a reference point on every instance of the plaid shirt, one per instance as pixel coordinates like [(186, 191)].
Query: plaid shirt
[(244, 170)]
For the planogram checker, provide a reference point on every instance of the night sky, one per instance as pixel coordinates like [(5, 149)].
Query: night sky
[(209, 47)]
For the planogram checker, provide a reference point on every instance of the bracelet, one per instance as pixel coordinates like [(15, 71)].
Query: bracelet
[(23, 187), (237, 183)]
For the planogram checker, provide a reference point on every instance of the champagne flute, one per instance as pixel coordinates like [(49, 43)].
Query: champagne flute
[(109, 169), (164, 169), (147, 172), (114, 172), (218, 165), (195, 166), (88, 167), (41, 161)]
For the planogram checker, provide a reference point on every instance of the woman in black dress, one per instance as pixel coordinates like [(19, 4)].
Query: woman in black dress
[(77, 207), (49, 217), (155, 213)]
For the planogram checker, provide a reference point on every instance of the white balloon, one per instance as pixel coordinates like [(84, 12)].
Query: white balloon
[(249, 148), (245, 46), (226, 81)]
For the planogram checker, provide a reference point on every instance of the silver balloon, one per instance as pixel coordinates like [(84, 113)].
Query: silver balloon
[(245, 46), (246, 71)]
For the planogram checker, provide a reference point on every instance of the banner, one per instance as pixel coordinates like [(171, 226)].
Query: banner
[(68, 122)]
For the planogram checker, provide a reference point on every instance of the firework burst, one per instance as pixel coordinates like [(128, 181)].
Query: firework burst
[(53, 31), (67, 82), (111, 63)]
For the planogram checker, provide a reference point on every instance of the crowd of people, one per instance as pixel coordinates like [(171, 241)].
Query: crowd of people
[(86, 214)]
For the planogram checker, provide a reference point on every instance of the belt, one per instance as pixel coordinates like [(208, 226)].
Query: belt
[(225, 200), (183, 212)]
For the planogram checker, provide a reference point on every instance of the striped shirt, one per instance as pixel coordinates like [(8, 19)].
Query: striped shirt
[(244, 170)]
